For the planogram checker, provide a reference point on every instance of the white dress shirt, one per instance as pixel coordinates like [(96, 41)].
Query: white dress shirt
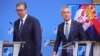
[(24, 18)]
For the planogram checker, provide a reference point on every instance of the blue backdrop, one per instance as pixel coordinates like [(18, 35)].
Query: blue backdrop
[(46, 11)]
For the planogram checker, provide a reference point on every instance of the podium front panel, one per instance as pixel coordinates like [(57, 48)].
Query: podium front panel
[(7, 51), (1, 46), (16, 48), (82, 48), (96, 49)]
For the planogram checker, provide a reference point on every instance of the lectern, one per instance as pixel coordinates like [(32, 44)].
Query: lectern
[(88, 46), (15, 45)]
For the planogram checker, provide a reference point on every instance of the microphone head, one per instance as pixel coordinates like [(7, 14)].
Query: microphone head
[(11, 23)]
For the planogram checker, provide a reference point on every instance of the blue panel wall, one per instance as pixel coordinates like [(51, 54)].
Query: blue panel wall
[(46, 11)]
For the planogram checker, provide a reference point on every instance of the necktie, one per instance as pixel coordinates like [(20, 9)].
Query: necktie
[(66, 30), (21, 26)]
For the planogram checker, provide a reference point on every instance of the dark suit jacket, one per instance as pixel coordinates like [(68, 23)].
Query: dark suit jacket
[(76, 34), (31, 34)]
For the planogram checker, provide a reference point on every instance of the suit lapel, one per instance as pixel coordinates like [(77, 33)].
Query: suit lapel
[(62, 30), (17, 25), (71, 29)]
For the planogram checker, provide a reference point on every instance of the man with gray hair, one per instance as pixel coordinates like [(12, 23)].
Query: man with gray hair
[(68, 31)]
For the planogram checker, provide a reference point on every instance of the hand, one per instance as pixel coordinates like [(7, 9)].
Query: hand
[(54, 54)]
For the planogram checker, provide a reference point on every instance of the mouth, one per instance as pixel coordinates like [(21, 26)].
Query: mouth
[(66, 16)]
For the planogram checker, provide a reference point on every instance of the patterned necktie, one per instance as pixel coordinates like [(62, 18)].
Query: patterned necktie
[(66, 30), (21, 26)]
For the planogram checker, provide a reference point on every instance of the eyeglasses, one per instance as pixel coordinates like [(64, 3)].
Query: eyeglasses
[(20, 9)]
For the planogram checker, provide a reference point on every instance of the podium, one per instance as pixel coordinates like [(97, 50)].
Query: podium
[(90, 47), (15, 45)]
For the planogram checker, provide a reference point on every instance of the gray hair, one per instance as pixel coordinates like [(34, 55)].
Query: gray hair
[(65, 7)]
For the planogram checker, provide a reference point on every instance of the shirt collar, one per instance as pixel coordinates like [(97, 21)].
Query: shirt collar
[(24, 18), (69, 22)]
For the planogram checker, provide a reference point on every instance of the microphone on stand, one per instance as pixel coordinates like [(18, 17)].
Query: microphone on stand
[(66, 45)]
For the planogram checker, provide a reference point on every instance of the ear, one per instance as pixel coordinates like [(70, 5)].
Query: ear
[(26, 10)]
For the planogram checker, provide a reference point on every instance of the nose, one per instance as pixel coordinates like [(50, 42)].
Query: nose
[(66, 14)]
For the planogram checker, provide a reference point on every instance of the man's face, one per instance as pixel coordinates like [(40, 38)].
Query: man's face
[(21, 11), (66, 13)]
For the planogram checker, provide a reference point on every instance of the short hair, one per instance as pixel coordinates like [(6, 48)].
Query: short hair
[(65, 7), (22, 3)]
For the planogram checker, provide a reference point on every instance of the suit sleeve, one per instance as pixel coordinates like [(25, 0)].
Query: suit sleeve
[(57, 42), (37, 37), (82, 33)]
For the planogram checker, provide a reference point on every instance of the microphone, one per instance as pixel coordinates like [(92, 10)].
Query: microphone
[(66, 45), (69, 44), (11, 23), (22, 42)]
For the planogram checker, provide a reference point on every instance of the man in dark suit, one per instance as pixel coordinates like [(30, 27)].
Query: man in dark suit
[(27, 28), (68, 31)]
